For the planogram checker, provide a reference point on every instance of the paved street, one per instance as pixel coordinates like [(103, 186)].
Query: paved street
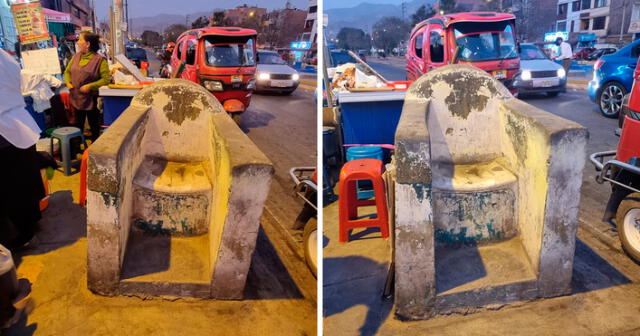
[(605, 295), (280, 291)]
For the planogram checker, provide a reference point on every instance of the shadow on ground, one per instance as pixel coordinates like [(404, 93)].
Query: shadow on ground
[(62, 224), (360, 289), (268, 278), (352, 287), (255, 119)]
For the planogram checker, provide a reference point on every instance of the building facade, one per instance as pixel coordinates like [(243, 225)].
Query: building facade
[(8, 32), (310, 32), (607, 21), (235, 16)]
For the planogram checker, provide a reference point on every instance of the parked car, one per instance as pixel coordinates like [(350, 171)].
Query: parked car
[(599, 53), (482, 39), (136, 55), (613, 78), (583, 52), (538, 73), (273, 73), (339, 57)]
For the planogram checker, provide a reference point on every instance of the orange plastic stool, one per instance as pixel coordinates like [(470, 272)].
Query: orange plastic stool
[(44, 203), (348, 203), (82, 199)]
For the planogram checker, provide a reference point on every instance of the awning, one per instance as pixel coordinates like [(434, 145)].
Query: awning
[(55, 16)]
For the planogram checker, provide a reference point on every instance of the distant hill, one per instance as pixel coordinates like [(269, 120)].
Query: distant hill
[(366, 14), (160, 22)]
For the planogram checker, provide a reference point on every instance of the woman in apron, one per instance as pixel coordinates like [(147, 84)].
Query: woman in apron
[(84, 75)]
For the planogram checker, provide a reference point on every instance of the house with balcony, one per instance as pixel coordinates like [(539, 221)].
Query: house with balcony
[(599, 21)]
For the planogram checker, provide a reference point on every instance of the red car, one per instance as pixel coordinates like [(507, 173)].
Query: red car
[(486, 40), (583, 52)]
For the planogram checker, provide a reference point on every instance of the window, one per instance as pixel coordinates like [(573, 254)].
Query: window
[(599, 22), (562, 9), (586, 4), (572, 26), (562, 26), (436, 49), (584, 24), (313, 9), (575, 6), (635, 51), (600, 3), (179, 51), (418, 45), (191, 52)]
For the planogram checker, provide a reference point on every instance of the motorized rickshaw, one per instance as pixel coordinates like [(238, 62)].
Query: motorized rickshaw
[(621, 168), (485, 40), (223, 60)]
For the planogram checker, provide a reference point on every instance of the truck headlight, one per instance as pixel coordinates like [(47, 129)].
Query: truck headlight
[(264, 76), (213, 85), (525, 75), (295, 77), (561, 73)]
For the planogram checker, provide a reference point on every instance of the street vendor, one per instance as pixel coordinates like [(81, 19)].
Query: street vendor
[(84, 75), (21, 187)]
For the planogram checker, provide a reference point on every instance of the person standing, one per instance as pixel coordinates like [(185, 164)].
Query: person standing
[(85, 74), (21, 187), (565, 54)]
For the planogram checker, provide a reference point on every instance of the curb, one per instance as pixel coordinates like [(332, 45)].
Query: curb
[(577, 84), (307, 88), (308, 82)]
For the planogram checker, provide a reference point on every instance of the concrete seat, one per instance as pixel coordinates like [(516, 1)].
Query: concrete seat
[(175, 195), (487, 182)]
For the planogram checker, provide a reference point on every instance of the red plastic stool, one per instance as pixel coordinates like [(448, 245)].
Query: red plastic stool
[(352, 171), (82, 199)]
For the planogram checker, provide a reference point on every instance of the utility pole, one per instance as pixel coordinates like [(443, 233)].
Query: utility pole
[(186, 21), (624, 8), (116, 28), (404, 8)]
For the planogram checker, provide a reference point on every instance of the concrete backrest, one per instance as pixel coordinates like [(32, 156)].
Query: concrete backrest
[(179, 118), (463, 115)]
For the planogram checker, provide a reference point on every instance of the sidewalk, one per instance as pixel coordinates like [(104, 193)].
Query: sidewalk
[(308, 82)]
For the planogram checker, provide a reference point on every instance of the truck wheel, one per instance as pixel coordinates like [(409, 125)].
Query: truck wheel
[(311, 245), (628, 222)]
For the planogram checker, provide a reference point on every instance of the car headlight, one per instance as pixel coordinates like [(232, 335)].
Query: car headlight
[(213, 85), (264, 76), (295, 77), (251, 85), (561, 73), (525, 75)]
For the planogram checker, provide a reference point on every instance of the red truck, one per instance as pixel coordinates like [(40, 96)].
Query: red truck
[(486, 40)]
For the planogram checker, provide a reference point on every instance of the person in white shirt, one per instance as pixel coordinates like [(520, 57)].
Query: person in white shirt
[(565, 54), (21, 187)]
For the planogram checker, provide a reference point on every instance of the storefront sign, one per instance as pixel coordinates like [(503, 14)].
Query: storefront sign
[(30, 22), (634, 27), (551, 37)]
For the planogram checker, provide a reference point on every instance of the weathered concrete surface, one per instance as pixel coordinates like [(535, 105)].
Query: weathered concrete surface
[(63, 305), (604, 294), (458, 122), (192, 171)]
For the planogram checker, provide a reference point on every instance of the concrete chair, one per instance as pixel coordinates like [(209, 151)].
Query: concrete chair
[(175, 195), (486, 196)]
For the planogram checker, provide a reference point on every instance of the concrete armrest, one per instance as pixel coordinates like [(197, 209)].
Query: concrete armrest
[(539, 120), (412, 143), (242, 151), (108, 154)]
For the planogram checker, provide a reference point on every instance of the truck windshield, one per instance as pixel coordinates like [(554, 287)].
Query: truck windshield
[(228, 54), (485, 41), (531, 52)]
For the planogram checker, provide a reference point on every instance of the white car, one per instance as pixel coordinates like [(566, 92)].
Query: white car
[(273, 73), (538, 73)]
